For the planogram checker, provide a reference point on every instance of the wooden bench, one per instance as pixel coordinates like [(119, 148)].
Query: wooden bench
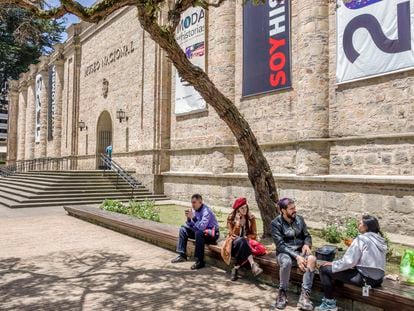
[(391, 296)]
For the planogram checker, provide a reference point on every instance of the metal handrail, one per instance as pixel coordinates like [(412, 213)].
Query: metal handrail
[(40, 164), (110, 164)]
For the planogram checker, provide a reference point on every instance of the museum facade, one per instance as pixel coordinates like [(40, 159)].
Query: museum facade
[(335, 118)]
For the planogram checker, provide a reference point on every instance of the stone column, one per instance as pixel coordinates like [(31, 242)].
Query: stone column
[(312, 86), (30, 116), (44, 100), (221, 61), (57, 127), (21, 132), (12, 122)]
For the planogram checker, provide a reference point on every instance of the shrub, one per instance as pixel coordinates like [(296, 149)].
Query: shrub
[(217, 212), (350, 228), (390, 251), (144, 210), (332, 234), (114, 206)]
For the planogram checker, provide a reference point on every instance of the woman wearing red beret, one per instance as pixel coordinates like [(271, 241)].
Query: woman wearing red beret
[(242, 228)]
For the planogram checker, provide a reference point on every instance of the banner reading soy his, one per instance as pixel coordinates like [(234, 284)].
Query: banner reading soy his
[(266, 47), (190, 35), (374, 37)]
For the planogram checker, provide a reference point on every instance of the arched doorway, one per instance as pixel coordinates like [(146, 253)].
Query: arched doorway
[(103, 136)]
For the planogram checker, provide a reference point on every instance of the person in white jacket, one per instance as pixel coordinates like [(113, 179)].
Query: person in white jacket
[(363, 263)]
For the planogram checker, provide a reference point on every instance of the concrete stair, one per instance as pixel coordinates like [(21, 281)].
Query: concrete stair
[(57, 188)]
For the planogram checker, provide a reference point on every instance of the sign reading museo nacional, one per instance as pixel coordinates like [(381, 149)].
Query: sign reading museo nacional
[(374, 37), (190, 35), (266, 47)]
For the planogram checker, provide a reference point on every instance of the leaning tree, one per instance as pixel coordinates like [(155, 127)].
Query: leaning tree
[(259, 172)]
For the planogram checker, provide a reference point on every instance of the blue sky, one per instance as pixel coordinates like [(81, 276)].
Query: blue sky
[(69, 19)]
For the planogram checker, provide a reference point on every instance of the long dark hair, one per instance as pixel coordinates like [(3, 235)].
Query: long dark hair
[(232, 216), (372, 224)]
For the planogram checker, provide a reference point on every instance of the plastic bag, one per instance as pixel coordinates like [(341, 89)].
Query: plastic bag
[(407, 267)]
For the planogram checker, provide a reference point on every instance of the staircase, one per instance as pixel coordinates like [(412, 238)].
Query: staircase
[(57, 188)]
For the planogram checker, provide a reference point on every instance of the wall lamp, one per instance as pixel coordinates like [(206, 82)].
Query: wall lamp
[(82, 125), (121, 115)]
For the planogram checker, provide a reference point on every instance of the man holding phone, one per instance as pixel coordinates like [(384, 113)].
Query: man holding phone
[(201, 225)]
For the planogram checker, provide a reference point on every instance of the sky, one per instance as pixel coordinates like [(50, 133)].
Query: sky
[(69, 19)]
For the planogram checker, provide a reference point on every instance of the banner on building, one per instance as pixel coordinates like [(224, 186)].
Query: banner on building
[(51, 102), (190, 35), (266, 47), (374, 37), (38, 105)]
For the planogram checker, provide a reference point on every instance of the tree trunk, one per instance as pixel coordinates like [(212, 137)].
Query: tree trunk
[(259, 171)]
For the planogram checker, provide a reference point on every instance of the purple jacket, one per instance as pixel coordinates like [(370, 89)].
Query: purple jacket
[(203, 219)]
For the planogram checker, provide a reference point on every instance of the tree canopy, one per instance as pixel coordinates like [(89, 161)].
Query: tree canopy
[(24, 37)]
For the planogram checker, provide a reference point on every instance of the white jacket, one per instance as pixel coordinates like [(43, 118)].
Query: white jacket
[(367, 253)]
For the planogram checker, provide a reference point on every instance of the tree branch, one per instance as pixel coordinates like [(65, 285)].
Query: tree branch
[(94, 14)]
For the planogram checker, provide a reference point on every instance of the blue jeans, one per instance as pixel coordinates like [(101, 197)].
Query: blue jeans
[(200, 241), (286, 262)]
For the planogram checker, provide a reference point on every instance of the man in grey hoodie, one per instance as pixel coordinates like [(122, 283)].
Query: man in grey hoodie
[(363, 263)]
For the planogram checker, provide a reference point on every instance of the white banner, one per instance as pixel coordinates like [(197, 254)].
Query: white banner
[(38, 105), (374, 37), (190, 35)]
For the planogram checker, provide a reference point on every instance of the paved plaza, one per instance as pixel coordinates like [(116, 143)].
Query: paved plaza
[(51, 261)]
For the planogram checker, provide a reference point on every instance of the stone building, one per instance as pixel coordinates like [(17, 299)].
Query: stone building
[(338, 149)]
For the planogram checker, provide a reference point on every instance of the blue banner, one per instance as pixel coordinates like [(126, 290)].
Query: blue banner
[(266, 47)]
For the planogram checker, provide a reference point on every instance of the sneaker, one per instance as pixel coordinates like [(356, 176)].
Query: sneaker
[(305, 302), (256, 270), (179, 258), (198, 265), (234, 274), (281, 300), (327, 305)]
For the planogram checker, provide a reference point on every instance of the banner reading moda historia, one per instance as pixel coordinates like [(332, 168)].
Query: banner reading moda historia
[(190, 35), (374, 37), (266, 47)]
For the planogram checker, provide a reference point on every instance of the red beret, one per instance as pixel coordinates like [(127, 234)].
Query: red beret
[(239, 203)]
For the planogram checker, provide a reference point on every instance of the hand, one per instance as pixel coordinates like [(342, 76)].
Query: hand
[(301, 263), (306, 251), (326, 264), (189, 214)]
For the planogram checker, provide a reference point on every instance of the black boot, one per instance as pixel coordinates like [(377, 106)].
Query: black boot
[(198, 265), (179, 258)]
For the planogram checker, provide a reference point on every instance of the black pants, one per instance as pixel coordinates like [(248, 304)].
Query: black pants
[(200, 240), (351, 276), (240, 250)]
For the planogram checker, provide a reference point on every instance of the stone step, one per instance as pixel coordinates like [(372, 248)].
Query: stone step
[(73, 193), (66, 181), (73, 173), (39, 188), (78, 202), (99, 197), (51, 188), (61, 183)]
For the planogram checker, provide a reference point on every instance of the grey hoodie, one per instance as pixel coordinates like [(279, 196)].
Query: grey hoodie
[(367, 254)]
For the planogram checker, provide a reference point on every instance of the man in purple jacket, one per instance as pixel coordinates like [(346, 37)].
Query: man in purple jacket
[(202, 226)]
